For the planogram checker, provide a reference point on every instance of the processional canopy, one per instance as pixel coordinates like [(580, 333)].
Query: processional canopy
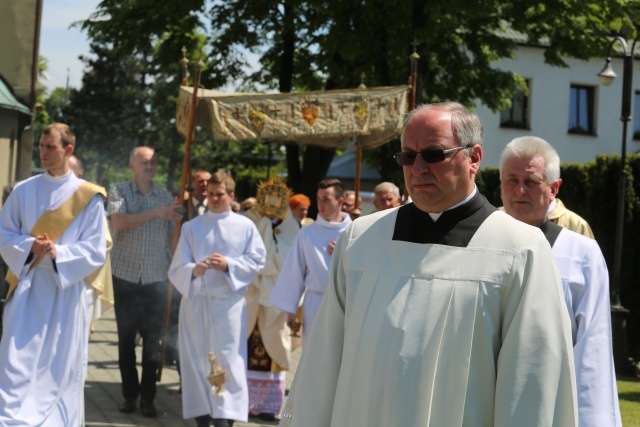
[(329, 119)]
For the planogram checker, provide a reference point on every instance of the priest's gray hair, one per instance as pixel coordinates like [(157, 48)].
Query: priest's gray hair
[(385, 187), (466, 125), (526, 147)]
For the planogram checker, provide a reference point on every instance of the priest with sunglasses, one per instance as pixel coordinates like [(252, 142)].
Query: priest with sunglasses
[(442, 312)]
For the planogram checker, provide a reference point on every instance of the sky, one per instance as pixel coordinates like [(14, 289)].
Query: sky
[(62, 45)]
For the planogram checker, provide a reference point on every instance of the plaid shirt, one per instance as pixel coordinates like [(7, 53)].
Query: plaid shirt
[(141, 254)]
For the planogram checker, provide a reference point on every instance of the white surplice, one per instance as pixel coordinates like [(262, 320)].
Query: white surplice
[(586, 286), (306, 267), (286, 233), (418, 335), (44, 349), (212, 311)]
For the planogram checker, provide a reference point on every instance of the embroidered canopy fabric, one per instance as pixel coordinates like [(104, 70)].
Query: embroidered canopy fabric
[(328, 119)]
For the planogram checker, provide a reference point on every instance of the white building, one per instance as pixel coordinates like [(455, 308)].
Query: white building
[(566, 106)]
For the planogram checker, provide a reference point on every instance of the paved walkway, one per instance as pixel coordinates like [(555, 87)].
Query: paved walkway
[(102, 388)]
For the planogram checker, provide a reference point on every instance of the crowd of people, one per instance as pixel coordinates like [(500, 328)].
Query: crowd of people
[(442, 310)]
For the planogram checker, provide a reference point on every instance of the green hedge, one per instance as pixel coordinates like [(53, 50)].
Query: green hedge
[(591, 190)]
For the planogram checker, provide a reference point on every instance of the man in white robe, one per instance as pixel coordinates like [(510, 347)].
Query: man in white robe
[(198, 197), (52, 237), (286, 233), (306, 267), (218, 255), (529, 181), (442, 312)]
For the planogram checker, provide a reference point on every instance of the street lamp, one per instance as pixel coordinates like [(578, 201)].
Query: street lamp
[(618, 312)]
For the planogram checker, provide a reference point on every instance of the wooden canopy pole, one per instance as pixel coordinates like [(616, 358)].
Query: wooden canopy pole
[(356, 186), (358, 171), (186, 175), (413, 80), (413, 83)]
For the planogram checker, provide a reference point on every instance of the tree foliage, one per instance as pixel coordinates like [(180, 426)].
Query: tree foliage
[(326, 44), (110, 112)]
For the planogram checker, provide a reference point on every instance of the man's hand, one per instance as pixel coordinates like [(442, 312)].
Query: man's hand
[(44, 246), (331, 247), (218, 262), (200, 269), (170, 213), (291, 317), (292, 323)]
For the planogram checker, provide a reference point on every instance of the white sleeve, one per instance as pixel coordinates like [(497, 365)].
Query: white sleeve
[(243, 269), (290, 285), (595, 372), (15, 245)]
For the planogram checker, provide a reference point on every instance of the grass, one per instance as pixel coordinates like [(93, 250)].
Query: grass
[(629, 396)]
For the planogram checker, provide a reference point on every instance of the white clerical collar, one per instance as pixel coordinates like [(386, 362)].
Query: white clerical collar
[(57, 179), (215, 215), (435, 216), (552, 206), (324, 223)]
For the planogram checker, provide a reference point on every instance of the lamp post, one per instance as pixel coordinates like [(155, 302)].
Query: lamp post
[(618, 313)]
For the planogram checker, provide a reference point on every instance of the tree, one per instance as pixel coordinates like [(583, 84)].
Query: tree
[(326, 44), (109, 113), (285, 33), (458, 43)]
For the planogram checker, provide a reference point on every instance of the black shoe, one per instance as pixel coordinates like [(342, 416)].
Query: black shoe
[(267, 417), (128, 406), (203, 421), (148, 408)]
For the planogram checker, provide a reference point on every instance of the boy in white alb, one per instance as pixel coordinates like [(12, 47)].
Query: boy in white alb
[(307, 264)]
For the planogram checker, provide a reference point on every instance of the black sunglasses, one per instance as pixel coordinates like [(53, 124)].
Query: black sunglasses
[(430, 155)]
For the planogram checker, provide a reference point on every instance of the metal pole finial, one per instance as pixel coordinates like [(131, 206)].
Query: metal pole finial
[(185, 63), (362, 77), (199, 67), (414, 56)]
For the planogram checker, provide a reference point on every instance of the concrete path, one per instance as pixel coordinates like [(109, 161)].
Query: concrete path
[(102, 388)]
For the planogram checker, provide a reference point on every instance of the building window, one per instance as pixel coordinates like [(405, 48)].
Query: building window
[(581, 110), (636, 116), (518, 115)]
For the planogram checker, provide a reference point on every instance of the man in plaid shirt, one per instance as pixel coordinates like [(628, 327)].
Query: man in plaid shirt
[(143, 216)]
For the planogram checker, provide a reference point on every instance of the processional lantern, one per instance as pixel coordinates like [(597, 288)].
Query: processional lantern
[(218, 376)]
